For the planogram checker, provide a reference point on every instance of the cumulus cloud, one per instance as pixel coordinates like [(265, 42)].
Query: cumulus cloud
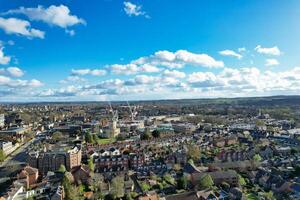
[(76, 79), (17, 83), (53, 15), (133, 9), (174, 73), (63, 92), (273, 51), (15, 71), (229, 81), (93, 72), (241, 49), (272, 62), (133, 68), (12, 71), (126, 69), (243, 80), (20, 27), (167, 59), (4, 59), (230, 53)]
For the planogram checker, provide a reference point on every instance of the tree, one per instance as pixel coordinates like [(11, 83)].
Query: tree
[(62, 169), (169, 179), (193, 152), (89, 138), (67, 186), (156, 133), (225, 186), (57, 135), (146, 136), (257, 158), (145, 187), (182, 183), (91, 164), (117, 187), (242, 181), (191, 161), (2, 156), (206, 182), (269, 195), (177, 167), (95, 138)]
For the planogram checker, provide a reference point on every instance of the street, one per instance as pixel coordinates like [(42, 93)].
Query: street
[(13, 163)]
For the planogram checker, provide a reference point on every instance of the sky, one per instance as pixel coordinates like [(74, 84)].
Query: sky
[(97, 50)]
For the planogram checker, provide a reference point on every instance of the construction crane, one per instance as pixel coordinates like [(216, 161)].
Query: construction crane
[(115, 116), (132, 112)]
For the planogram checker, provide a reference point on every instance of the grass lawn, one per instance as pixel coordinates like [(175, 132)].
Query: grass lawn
[(106, 140)]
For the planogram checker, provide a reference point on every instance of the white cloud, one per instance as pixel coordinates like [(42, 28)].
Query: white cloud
[(63, 92), (53, 15), (93, 72), (15, 71), (3, 58), (149, 68), (12, 72), (272, 62), (241, 49), (17, 83), (133, 9), (245, 81), (167, 59), (20, 27), (174, 73), (230, 53), (76, 79), (126, 69), (274, 51)]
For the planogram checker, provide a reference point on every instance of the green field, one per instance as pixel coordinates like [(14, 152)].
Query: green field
[(106, 140)]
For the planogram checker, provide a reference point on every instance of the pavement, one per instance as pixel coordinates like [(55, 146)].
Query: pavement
[(14, 161)]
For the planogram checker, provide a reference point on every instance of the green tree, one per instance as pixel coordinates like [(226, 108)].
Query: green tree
[(67, 186), (146, 136), (117, 187), (62, 169), (269, 195), (2, 156), (145, 187), (89, 138), (242, 181), (91, 164), (57, 135), (156, 133), (259, 123), (193, 152), (257, 158), (169, 179), (206, 181), (182, 183)]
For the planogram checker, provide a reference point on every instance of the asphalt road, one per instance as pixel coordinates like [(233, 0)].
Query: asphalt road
[(13, 163)]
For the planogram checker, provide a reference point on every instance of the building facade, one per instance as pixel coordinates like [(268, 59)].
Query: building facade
[(51, 161)]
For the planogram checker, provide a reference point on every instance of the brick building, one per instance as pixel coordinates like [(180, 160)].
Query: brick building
[(52, 160)]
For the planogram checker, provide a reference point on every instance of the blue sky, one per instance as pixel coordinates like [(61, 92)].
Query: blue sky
[(148, 49)]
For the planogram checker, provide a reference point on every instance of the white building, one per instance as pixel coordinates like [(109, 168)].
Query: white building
[(7, 147), (2, 120)]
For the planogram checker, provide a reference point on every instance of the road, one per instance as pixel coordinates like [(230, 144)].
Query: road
[(13, 163)]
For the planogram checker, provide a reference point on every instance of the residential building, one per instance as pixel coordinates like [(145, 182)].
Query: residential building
[(51, 161), (2, 120), (7, 147)]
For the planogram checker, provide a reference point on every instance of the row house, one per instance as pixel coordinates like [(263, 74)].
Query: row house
[(118, 163)]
